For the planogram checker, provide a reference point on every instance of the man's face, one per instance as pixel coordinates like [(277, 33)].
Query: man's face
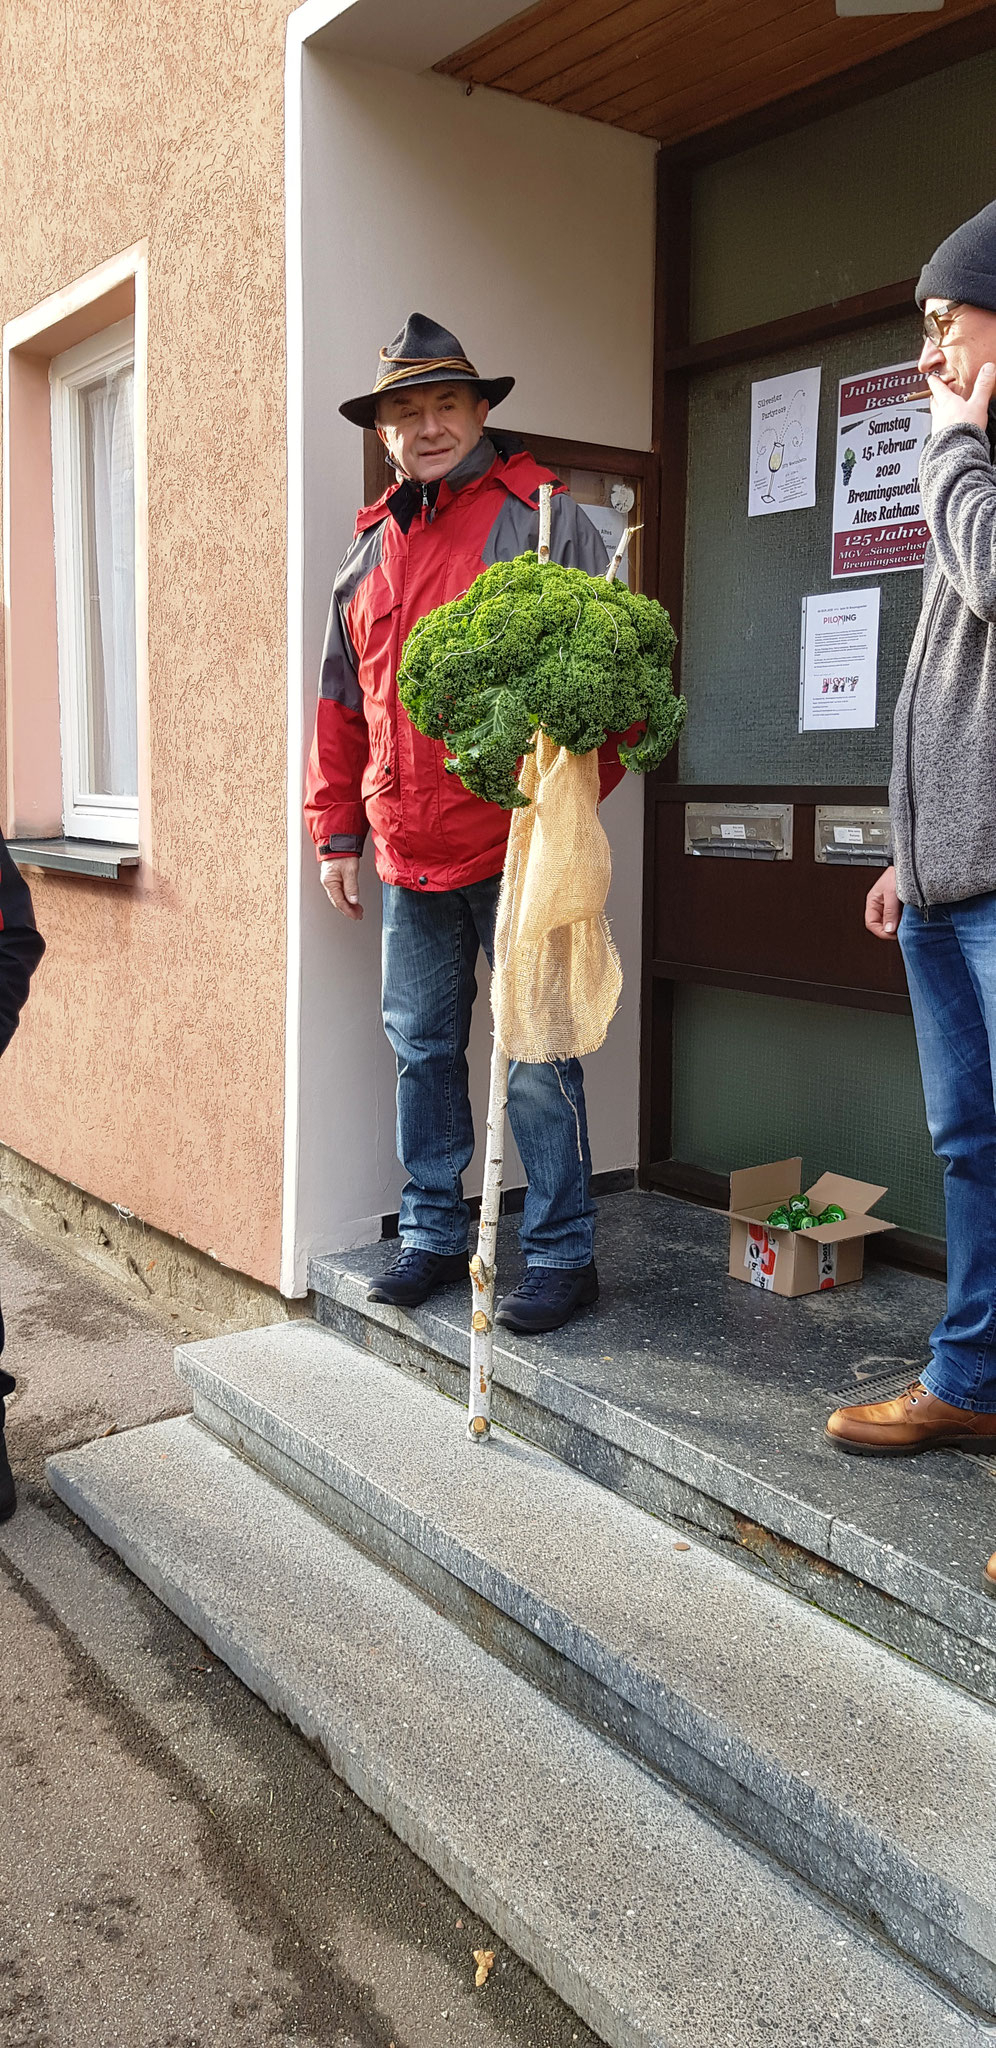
[(430, 428), (969, 342)]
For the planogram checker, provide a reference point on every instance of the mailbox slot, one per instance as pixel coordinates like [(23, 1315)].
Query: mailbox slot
[(727, 831), (853, 835)]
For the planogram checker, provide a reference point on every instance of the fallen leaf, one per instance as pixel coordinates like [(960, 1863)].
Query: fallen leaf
[(484, 1958)]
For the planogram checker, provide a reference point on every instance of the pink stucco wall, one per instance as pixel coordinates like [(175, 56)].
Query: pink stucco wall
[(149, 1067)]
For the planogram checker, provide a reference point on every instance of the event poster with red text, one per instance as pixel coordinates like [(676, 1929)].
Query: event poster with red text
[(877, 522)]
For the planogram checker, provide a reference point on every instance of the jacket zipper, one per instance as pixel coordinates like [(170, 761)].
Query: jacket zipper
[(402, 618), (922, 906)]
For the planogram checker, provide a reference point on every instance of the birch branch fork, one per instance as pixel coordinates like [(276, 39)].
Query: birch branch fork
[(616, 563), (482, 1265)]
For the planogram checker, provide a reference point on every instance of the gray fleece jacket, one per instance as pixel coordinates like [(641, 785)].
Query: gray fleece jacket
[(942, 794)]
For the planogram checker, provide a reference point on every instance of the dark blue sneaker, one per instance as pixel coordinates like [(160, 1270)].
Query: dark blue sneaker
[(547, 1297), (415, 1274)]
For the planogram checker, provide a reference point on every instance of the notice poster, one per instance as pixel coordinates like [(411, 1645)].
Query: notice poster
[(784, 416), (838, 669), (877, 524), (611, 524)]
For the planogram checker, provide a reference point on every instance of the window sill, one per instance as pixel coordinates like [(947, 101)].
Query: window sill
[(75, 856)]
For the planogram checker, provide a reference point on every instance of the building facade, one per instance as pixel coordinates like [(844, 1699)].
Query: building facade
[(233, 208)]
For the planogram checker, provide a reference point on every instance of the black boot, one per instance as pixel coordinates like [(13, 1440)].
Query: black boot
[(415, 1274), (548, 1297)]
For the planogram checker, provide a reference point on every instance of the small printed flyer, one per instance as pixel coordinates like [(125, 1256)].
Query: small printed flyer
[(784, 416), (838, 669), (612, 520), (877, 523)]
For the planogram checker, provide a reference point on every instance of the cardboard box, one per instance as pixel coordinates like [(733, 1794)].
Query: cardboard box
[(798, 1261)]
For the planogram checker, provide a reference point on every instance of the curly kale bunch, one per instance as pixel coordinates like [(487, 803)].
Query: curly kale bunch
[(548, 647)]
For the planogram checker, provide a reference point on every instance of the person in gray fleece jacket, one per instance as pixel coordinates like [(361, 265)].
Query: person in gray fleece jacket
[(939, 898)]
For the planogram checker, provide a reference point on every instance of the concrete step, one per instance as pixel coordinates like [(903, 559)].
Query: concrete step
[(793, 1730), (705, 1400), (659, 1929)]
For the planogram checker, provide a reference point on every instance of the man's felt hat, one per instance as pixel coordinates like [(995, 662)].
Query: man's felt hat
[(423, 353)]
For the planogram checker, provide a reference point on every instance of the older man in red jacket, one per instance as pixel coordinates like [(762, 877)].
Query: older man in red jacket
[(465, 497)]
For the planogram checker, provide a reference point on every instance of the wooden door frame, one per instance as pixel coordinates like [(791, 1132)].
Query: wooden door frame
[(676, 359), (557, 454)]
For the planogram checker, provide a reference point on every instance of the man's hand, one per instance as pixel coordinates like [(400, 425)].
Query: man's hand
[(948, 410), (883, 908), (341, 883)]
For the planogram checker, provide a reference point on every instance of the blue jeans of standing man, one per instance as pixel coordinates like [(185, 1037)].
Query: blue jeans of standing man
[(951, 969), (430, 949)]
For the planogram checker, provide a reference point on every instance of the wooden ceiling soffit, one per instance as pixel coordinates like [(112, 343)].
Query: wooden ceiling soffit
[(676, 69)]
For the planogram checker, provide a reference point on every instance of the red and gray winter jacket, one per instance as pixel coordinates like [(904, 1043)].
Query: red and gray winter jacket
[(416, 548)]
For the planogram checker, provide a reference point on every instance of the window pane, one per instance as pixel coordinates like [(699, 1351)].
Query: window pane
[(109, 754)]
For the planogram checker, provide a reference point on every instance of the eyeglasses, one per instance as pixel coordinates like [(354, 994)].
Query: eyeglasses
[(936, 325)]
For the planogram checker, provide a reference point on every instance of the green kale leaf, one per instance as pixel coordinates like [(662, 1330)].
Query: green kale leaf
[(552, 648)]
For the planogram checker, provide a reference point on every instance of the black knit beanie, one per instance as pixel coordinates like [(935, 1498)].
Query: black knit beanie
[(964, 267)]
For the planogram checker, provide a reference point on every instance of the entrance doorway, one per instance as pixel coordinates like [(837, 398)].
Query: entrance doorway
[(773, 1023)]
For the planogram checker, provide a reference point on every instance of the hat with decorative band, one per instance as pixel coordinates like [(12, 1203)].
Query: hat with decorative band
[(423, 353)]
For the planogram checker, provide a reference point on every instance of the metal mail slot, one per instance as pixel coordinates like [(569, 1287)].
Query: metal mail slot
[(739, 831), (853, 835)]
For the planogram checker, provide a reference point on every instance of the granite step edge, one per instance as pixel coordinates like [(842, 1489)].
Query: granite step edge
[(735, 1769), (525, 1394), (189, 1549)]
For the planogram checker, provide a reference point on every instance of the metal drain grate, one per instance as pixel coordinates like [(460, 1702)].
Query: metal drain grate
[(867, 1388)]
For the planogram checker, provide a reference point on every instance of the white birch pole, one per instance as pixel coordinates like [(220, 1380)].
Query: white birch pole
[(482, 1265), (616, 563)]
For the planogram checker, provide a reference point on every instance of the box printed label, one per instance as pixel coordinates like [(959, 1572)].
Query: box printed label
[(761, 1256), (827, 1266)]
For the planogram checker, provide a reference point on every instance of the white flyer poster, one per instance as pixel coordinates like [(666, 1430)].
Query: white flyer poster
[(877, 522), (784, 417), (838, 669), (612, 521)]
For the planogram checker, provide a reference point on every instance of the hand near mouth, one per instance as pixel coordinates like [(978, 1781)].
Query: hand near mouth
[(949, 410)]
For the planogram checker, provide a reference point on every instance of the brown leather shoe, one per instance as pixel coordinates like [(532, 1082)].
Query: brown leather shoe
[(989, 1575), (914, 1421)]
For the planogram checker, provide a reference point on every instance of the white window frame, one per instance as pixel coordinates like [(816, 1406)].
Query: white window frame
[(85, 816)]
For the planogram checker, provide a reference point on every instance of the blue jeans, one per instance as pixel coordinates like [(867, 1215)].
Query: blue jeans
[(951, 969), (430, 949)]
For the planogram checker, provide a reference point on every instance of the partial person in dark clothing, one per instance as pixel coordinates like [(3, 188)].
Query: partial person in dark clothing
[(21, 948)]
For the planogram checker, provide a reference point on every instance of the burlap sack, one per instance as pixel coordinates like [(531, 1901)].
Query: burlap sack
[(557, 977)]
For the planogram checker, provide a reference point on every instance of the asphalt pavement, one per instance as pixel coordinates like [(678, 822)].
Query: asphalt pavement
[(178, 1868)]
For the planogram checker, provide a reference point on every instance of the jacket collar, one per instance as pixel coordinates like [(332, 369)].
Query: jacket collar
[(518, 473), (409, 500)]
